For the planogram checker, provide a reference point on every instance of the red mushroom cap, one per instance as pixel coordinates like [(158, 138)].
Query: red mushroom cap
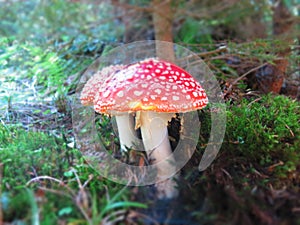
[(153, 85), (94, 83)]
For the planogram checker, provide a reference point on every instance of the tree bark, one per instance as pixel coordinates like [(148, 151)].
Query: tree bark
[(282, 27), (163, 22)]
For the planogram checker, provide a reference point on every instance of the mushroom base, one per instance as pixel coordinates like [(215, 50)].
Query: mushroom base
[(157, 146)]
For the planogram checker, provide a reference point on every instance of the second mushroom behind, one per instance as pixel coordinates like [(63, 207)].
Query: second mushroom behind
[(124, 121)]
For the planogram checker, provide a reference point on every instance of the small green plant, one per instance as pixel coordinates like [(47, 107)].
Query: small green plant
[(96, 206), (54, 182)]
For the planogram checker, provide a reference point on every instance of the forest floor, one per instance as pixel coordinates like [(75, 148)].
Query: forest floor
[(44, 176)]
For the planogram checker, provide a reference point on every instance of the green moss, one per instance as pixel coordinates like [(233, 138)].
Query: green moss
[(266, 131), (26, 154)]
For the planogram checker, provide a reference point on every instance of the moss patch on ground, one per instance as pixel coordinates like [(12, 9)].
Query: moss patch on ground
[(256, 176)]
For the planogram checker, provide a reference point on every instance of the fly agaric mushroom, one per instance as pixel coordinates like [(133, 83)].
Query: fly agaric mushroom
[(155, 90), (124, 121)]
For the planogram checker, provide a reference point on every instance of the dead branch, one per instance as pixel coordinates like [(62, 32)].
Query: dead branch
[(127, 6), (244, 75)]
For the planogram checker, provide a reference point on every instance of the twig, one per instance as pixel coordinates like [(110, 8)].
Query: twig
[(72, 195), (53, 179), (271, 168), (218, 50), (82, 198), (114, 217), (227, 56), (204, 54), (45, 178), (87, 181), (135, 214), (255, 100), (129, 6), (244, 75), (62, 193), (227, 173), (291, 132)]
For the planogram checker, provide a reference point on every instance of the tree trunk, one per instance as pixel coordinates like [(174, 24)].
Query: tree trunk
[(282, 27), (163, 21)]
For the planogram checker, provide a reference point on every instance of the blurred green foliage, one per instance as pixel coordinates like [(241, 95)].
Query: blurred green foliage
[(44, 20), (30, 154), (43, 70), (43, 43)]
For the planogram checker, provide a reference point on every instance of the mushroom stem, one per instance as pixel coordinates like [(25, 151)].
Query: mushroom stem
[(156, 142), (125, 124)]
